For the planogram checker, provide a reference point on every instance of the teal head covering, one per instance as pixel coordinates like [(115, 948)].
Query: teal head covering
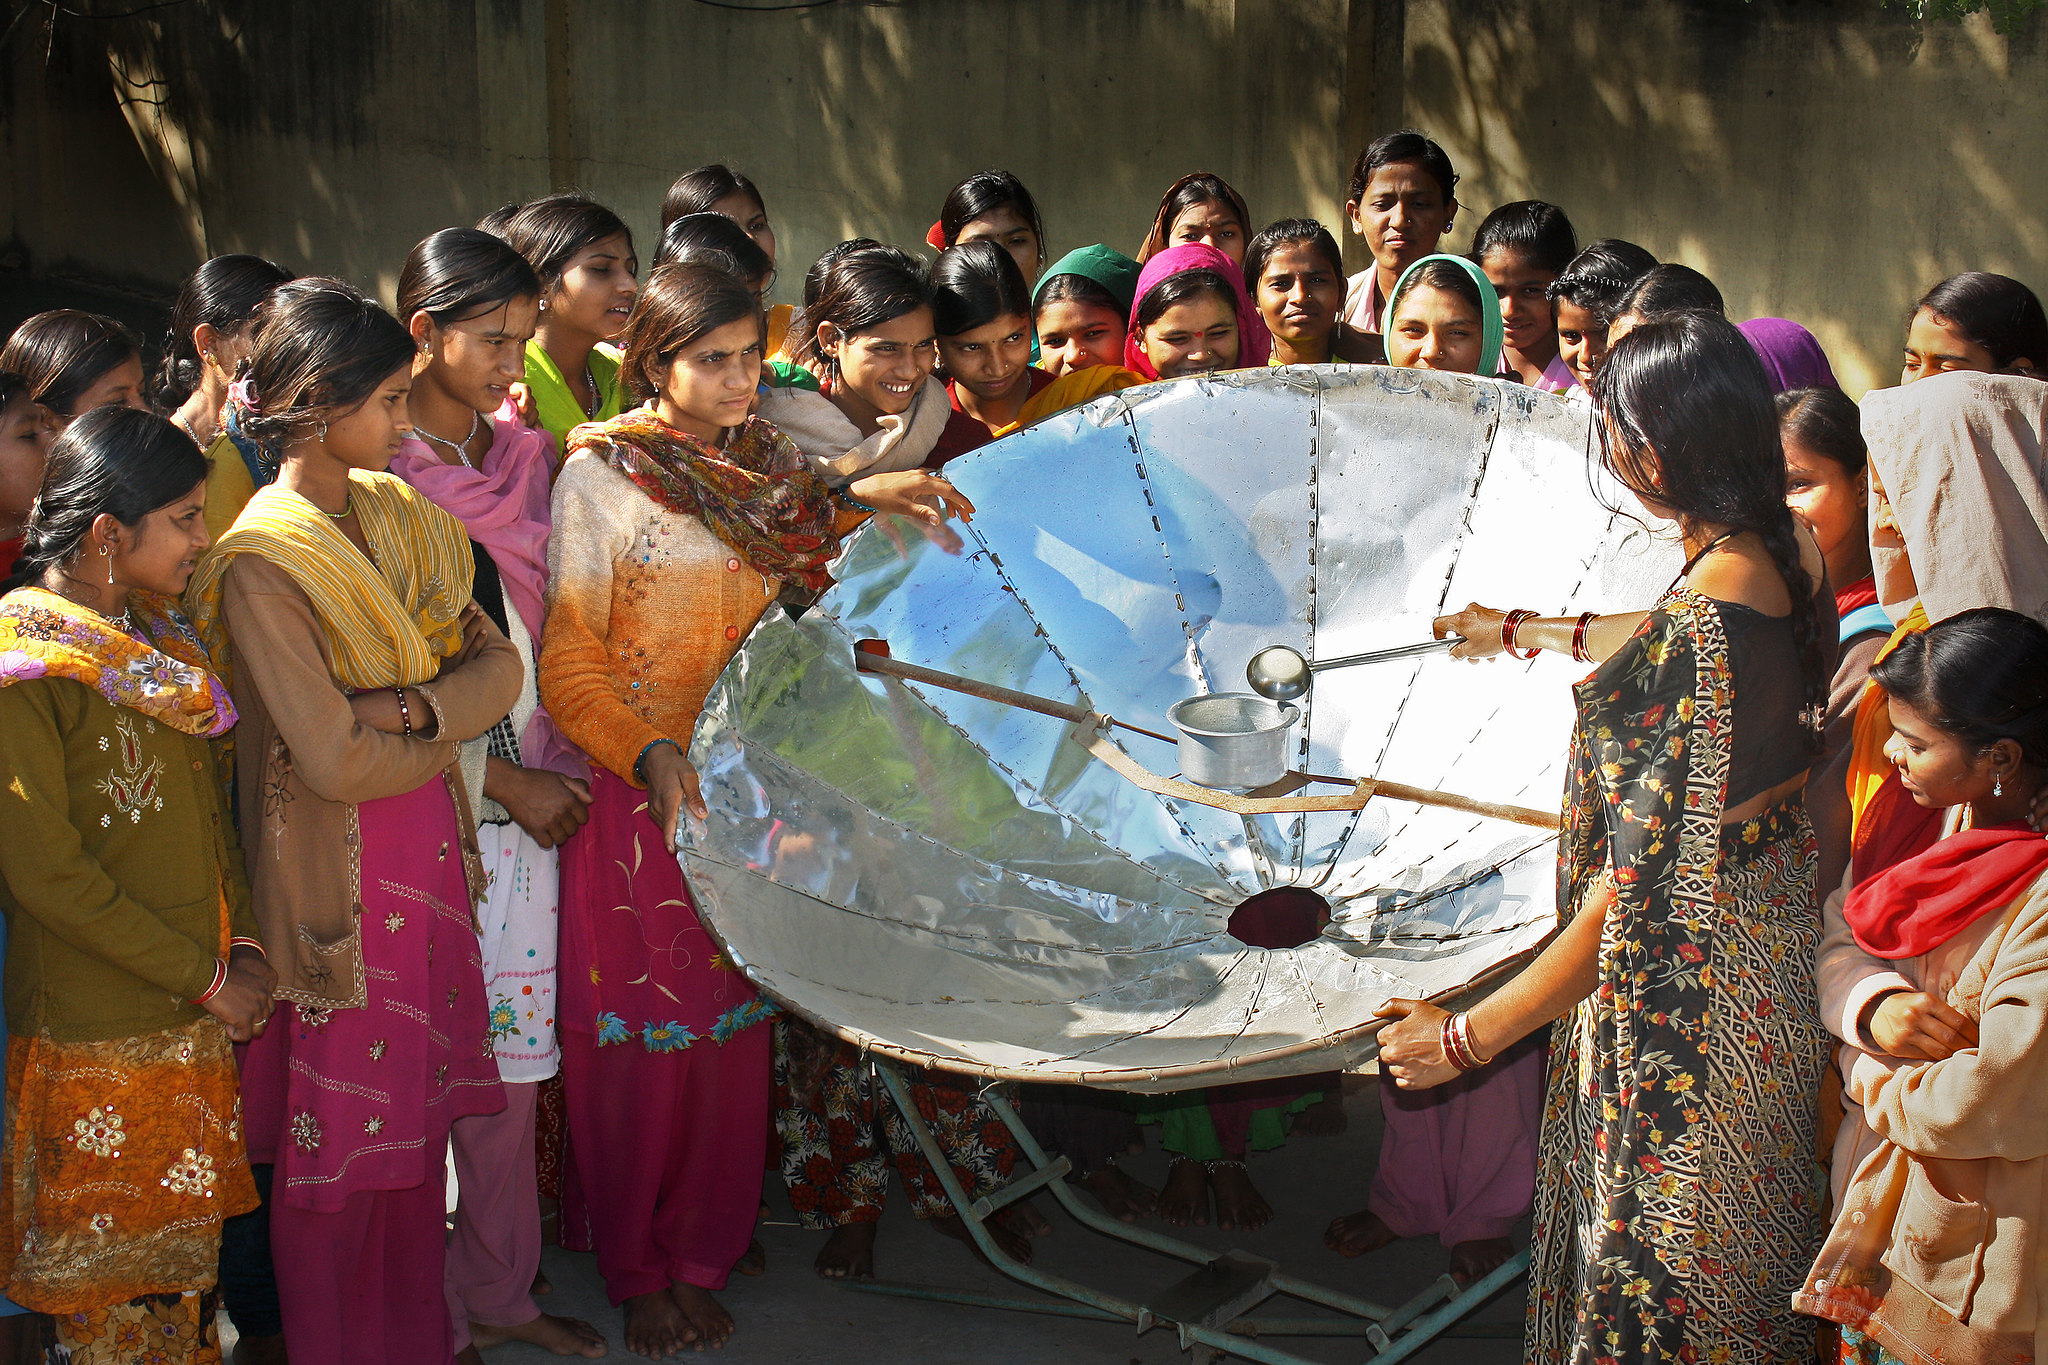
[(1492, 335), (1105, 265)]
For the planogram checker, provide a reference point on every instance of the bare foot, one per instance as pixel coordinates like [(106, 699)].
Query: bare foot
[(541, 1283), (1185, 1199), (710, 1324), (1121, 1197), (253, 1350), (1008, 1238), (849, 1253), (656, 1326), (563, 1336), (1238, 1202), (754, 1261), (1474, 1261), (1355, 1234), (1324, 1118)]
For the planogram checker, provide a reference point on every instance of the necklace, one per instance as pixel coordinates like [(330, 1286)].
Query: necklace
[(348, 505), (476, 420), (590, 382)]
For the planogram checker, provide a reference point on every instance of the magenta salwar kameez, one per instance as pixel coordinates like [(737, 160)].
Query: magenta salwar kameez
[(354, 1105)]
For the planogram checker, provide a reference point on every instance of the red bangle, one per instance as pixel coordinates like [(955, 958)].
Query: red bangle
[(404, 711), (239, 942), (1579, 654), (1511, 623), (220, 978)]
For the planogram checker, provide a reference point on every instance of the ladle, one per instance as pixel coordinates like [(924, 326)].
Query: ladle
[(1278, 673)]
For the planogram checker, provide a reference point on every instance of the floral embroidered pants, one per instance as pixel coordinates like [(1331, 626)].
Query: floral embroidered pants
[(841, 1133)]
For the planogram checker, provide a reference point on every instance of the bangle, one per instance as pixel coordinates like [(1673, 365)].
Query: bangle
[(855, 503), (1511, 623), (404, 710), (640, 762), (220, 978), (1447, 1038), (1464, 1031), (239, 942), (1579, 654)]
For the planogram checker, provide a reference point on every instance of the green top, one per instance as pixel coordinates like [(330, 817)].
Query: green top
[(559, 412), (117, 850)]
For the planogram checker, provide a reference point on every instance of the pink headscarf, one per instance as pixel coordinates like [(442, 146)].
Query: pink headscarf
[(504, 507), (1791, 355), (1254, 342)]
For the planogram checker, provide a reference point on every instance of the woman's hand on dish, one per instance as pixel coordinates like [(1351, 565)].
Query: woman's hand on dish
[(1412, 1046), (672, 787), (924, 497), (1479, 625)]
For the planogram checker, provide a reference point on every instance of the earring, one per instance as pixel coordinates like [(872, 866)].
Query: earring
[(107, 554), (212, 361), (1998, 786), (320, 434)]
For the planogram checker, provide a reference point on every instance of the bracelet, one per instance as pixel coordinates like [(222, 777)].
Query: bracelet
[(1465, 1044), (640, 761), (1579, 654), (855, 503), (239, 942), (1511, 623), (1456, 1039), (220, 978), (404, 710)]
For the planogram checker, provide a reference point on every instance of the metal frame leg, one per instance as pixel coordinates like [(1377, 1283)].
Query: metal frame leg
[(1240, 1282)]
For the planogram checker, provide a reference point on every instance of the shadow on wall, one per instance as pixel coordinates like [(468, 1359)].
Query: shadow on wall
[(1823, 162), (332, 137)]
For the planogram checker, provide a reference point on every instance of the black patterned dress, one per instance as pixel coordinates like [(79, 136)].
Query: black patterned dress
[(1678, 1199)]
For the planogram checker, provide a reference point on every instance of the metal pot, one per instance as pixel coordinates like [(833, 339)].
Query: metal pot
[(1233, 741)]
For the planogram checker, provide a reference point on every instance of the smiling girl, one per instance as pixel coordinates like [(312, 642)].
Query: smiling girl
[(1296, 279), (135, 962), (1523, 247), (1445, 316), (588, 274), (676, 524), (867, 331), (1588, 296), (470, 302), (1402, 201), (1193, 317), (341, 598), (1200, 208), (993, 206)]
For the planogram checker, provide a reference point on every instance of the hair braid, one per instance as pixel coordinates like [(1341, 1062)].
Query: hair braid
[(1781, 539)]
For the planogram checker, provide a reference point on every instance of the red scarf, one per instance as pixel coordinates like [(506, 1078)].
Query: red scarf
[(1861, 593), (1917, 905)]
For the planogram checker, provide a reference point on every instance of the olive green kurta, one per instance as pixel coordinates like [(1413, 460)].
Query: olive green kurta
[(116, 848)]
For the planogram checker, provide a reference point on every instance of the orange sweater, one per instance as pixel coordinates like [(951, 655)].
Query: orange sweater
[(645, 607)]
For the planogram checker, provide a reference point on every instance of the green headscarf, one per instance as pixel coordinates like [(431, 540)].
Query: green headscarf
[(1492, 334), (1105, 265)]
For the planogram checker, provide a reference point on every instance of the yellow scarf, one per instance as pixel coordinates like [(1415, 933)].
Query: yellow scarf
[(1868, 766), (388, 624)]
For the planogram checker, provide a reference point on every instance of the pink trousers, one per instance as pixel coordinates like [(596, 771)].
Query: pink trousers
[(664, 1173), (494, 1251), (362, 1285), (1459, 1162)]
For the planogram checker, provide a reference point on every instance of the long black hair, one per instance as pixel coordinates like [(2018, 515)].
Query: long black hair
[(1827, 422), (117, 461), (1599, 278), (460, 273), (697, 190), (1981, 675), (1996, 312), (1531, 228), (985, 192), (859, 289), (1687, 391), (324, 347), (1285, 233), (1406, 145), (550, 231), (975, 283), (1673, 288), (224, 294), (63, 352), (713, 232)]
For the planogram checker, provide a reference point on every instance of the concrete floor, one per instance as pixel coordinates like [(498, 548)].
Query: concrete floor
[(789, 1317)]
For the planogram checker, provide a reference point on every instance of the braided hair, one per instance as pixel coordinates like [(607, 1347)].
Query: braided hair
[(1689, 387)]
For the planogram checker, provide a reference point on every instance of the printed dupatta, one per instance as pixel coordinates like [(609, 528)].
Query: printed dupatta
[(166, 678)]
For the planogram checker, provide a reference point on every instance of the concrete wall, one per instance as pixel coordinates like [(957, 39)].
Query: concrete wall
[(1823, 161)]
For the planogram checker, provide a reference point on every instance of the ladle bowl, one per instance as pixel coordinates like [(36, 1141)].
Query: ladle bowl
[(1278, 673)]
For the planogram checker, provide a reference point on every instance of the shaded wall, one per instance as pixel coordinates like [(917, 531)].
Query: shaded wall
[(1824, 161)]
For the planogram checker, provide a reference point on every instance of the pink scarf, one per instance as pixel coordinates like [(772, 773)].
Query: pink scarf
[(1254, 342), (503, 505)]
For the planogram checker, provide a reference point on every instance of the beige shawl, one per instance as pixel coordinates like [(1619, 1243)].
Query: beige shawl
[(835, 447)]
